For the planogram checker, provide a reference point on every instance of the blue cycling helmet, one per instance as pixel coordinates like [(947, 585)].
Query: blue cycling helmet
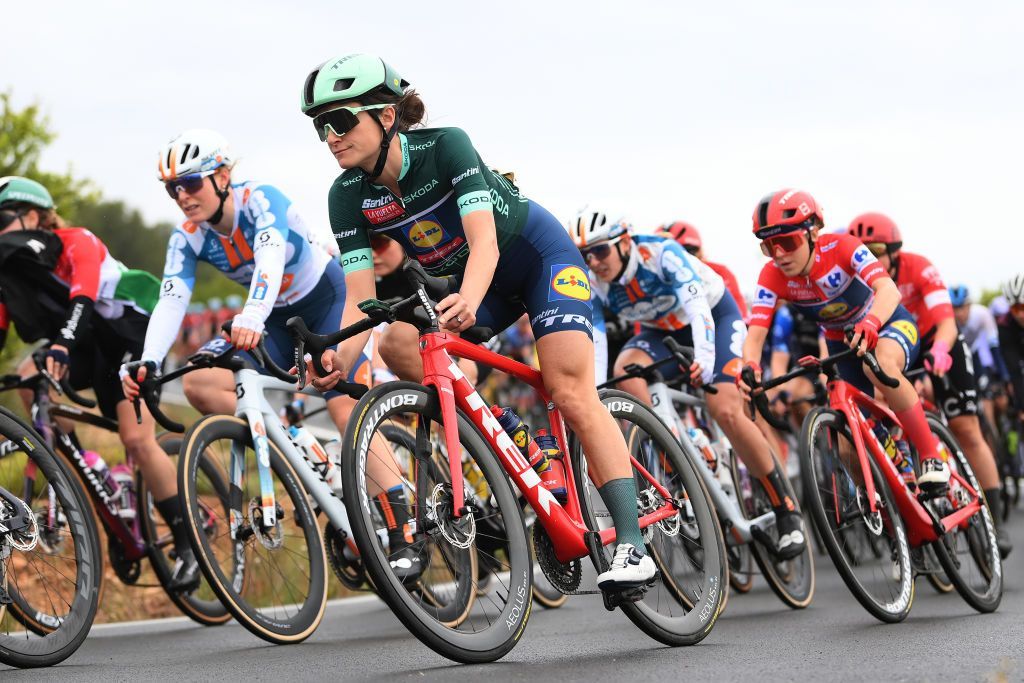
[(958, 295)]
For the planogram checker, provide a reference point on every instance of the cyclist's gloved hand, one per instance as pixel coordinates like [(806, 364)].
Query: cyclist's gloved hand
[(57, 361), (245, 331), (132, 374), (865, 334), (743, 386), (702, 371), (940, 361)]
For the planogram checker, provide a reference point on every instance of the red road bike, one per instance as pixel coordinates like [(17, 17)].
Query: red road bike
[(472, 508), (857, 496)]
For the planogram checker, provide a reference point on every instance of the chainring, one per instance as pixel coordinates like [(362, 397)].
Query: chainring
[(565, 577), (349, 572), (127, 570)]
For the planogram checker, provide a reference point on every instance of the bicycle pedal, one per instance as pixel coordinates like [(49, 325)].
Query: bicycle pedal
[(613, 599)]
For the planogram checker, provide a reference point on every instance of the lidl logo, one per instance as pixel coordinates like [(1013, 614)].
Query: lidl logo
[(425, 234), (907, 329), (834, 310), (520, 438), (569, 282)]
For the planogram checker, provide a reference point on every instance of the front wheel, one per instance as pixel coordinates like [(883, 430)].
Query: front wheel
[(683, 605), (968, 554), (49, 550), (493, 596), (271, 576), (869, 549)]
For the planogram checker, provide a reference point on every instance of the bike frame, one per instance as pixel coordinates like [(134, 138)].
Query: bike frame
[(253, 407), (564, 525), (663, 400), (922, 525), (44, 412)]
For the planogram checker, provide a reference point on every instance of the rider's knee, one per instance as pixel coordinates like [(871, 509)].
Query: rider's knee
[(196, 391)]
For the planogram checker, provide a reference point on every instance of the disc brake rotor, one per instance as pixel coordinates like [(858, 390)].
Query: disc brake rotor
[(272, 538), (459, 532)]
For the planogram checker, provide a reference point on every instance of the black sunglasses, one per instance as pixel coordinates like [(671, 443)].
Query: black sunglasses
[(341, 120), (189, 183), (599, 251)]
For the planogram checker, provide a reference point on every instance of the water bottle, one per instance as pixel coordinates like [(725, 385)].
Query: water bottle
[(898, 451), (548, 446), (551, 477), (703, 444), (99, 468), (316, 456), (125, 478)]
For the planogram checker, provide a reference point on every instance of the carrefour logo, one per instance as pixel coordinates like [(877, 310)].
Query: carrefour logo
[(425, 234), (571, 282)]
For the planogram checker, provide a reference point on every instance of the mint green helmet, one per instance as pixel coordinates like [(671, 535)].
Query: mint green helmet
[(17, 190), (349, 78)]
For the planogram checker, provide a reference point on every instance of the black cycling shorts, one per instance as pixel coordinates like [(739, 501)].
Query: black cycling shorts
[(97, 358), (956, 394)]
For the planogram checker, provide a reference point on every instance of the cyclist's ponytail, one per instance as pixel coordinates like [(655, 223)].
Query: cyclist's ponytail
[(409, 107)]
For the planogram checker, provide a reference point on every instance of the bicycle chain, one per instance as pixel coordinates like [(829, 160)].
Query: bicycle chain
[(565, 577)]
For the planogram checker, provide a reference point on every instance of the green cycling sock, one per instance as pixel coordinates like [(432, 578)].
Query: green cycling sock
[(620, 497)]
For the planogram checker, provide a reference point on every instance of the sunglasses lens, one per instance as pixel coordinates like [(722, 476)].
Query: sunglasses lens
[(379, 244), (877, 248), (786, 243), (190, 184), (340, 121), (692, 250), (600, 252)]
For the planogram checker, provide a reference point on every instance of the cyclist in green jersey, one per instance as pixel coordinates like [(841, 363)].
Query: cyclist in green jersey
[(428, 189)]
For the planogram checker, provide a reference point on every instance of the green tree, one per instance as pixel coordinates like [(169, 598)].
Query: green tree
[(24, 134)]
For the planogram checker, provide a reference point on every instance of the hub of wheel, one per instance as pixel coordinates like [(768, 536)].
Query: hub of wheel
[(872, 520), (271, 538), (460, 532)]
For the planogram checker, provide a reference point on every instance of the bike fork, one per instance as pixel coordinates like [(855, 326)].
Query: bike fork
[(262, 447)]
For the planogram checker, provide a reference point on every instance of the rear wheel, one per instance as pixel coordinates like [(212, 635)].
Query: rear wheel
[(49, 551), (688, 594), (969, 553), (202, 604), (270, 576), (869, 549)]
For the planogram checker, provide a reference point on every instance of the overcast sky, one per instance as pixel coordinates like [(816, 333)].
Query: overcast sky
[(654, 110)]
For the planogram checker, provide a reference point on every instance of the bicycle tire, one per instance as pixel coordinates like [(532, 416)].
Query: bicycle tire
[(741, 559), (896, 607), (701, 598), (977, 544), (791, 580), (208, 611), (24, 650), (448, 612), (39, 621), (239, 588), (491, 630)]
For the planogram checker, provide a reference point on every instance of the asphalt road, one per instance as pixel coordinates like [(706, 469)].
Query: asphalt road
[(756, 639)]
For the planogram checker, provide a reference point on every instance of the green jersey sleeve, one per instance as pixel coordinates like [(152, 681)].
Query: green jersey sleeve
[(459, 161), (347, 223)]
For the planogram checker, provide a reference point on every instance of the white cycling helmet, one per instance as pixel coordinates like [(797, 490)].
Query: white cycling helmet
[(1013, 289), (999, 306), (592, 227), (198, 151)]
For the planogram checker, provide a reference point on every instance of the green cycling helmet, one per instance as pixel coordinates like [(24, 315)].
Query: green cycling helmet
[(348, 78), (17, 190)]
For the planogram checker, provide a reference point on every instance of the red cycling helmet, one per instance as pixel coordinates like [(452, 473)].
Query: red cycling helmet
[(682, 232), (786, 211), (876, 227)]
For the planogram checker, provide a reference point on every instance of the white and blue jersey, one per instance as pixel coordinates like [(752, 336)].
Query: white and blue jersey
[(270, 251), (668, 291)]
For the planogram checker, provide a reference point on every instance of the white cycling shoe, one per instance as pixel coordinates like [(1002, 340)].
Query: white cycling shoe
[(629, 569), (934, 477)]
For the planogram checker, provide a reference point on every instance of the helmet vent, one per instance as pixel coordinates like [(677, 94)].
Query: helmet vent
[(343, 84), (762, 212), (307, 90)]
